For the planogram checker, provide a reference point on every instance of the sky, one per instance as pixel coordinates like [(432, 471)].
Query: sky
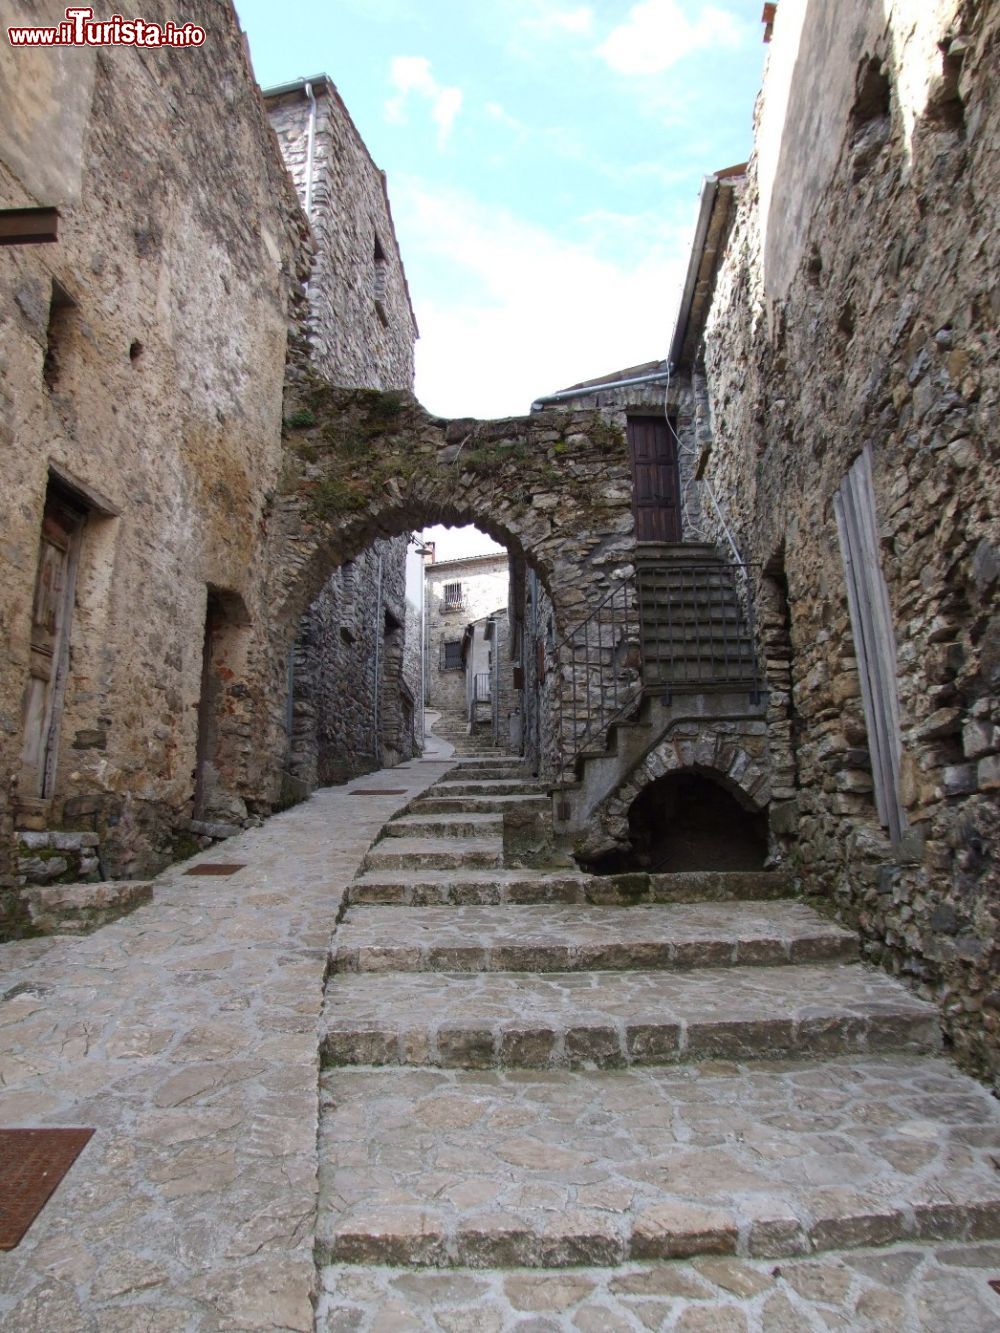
[(544, 161)]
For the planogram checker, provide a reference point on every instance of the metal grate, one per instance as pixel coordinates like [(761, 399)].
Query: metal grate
[(215, 868), (32, 1163)]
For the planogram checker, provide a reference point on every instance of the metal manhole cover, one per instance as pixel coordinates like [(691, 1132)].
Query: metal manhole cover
[(215, 868), (381, 791), (32, 1163)]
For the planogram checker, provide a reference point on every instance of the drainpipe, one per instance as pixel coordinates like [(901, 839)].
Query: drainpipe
[(378, 660), (310, 149)]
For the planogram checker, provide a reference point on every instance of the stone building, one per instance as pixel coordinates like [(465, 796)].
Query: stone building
[(840, 349), (143, 359), (458, 593), (350, 706)]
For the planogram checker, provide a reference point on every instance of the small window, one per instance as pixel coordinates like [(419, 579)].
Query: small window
[(453, 595), (380, 272), (451, 655), (61, 329)]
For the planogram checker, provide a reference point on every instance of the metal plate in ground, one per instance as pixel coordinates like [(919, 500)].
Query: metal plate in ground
[(381, 791), (215, 868), (32, 1163)]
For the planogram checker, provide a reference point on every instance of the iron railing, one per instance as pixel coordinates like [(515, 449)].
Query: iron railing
[(599, 670), (671, 627)]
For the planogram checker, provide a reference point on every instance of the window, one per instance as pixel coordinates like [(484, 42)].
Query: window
[(453, 599), (61, 329), (451, 655), (380, 270)]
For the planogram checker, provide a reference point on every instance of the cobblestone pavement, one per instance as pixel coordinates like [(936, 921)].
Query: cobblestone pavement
[(226, 1165), (939, 1289), (186, 1034)]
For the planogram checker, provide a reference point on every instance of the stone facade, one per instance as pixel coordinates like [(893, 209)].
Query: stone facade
[(457, 593), (143, 358), (351, 709), (856, 313)]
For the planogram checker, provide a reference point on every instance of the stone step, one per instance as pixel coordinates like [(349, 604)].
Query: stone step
[(465, 888), (70, 909), (440, 1168), (570, 939), (612, 1019), (508, 764), (411, 825), (443, 805), (489, 773), (497, 787), (416, 854)]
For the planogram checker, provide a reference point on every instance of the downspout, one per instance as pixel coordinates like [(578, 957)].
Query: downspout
[(310, 149), (378, 660)]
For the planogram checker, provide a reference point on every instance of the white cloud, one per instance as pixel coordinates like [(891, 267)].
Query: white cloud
[(412, 74), (577, 22), (518, 311), (657, 34)]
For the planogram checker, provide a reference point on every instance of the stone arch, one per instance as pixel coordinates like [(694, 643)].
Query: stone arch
[(361, 465), (733, 753), (554, 488)]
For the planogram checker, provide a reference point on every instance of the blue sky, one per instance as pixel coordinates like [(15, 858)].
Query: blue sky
[(544, 161)]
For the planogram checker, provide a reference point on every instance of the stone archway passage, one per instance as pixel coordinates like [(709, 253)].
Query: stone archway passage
[(554, 488), (687, 821), (730, 752)]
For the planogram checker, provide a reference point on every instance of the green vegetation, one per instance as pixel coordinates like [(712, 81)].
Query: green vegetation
[(301, 419)]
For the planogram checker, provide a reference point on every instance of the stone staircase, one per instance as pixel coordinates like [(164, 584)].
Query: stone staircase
[(544, 1069), (453, 727)]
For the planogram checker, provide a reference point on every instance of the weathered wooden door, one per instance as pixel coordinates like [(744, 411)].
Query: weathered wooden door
[(656, 488), (51, 614)]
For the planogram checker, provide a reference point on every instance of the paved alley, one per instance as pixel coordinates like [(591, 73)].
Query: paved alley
[(546, 1100)]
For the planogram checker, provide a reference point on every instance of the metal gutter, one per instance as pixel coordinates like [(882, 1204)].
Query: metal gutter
[(584, 391)]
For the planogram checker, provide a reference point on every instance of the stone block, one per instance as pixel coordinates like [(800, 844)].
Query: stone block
[(959, 780), (988, 773), (680, 1230)]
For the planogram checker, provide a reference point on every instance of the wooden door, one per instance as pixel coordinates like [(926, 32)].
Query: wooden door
[(51, 615), (656, 487)]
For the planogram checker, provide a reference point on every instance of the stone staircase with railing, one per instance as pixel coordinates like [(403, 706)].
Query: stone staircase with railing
[(543, 1069), (672, 646)]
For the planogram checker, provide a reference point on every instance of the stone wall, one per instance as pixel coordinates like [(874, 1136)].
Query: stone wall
[(484, 583), (362, 326), (361, 332), (152, 386), (677, 397), (857, 307), (352, 631)]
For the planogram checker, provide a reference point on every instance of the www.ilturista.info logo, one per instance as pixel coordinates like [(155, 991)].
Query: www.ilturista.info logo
[(80, 28)]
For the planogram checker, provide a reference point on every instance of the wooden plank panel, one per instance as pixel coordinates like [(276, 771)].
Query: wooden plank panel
[(874, 640)]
